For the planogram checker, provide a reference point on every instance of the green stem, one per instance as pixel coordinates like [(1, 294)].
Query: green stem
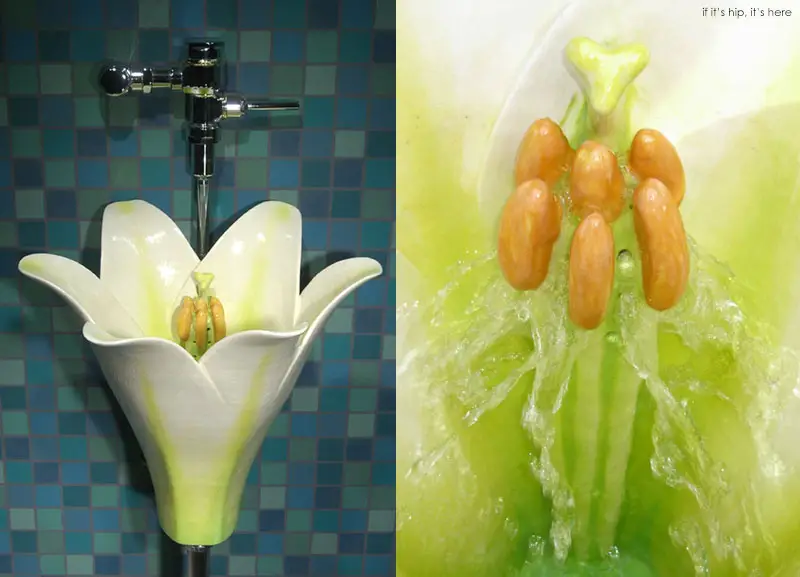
[(619, 436), (587, 379)]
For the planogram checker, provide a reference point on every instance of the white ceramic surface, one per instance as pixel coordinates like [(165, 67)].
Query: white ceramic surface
[(200, 424)]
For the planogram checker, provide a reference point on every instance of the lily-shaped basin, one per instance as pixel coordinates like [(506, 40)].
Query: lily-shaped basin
[(200, 396)]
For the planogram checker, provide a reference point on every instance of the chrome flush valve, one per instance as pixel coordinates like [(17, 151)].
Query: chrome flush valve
[(207, 103)]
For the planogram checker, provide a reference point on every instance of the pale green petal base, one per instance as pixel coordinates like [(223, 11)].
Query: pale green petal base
[(198, 511)]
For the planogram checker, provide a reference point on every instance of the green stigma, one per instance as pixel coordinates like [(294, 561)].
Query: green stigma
[(606, 73)]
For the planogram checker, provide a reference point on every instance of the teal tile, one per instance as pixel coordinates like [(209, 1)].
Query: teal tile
[(68, 346), (9, 294), (355, 47), (88, 112), (270, 565), (360, 425), (250, 498), (26, 143), (378, 204), (251, 173), (320, 80), (302, 449), (84, 79), (50, 542), (123, 112), (255, 46), (363, 400), (104, 448), (226, 148), (97, 400), (153, 14), (91, 202), (49, 519), (324, 543), (381, 521), (241, 565), (248, 522), (22, 519), (121, 45), (52, 564), (3, 112), (221, 14), (23, 79), (80, 565), (382, 498), (107, 543), (389, 347), (316, 351), (349, 144), (8, 234), (341, 319), (253, 143), (357, 474), (56, 78), (385, 18), (14, 423), (124, 173), (305, 400), (182, 203), (37, 320), (382, 80), (69, 399), (59, 173), (88, 239), (273, 474), (105, 496), (322, 46), (19, 14), (365, 374), (298, 520), (286, 80), (155, 142), (132, 520), (297, 544), (272, 497)]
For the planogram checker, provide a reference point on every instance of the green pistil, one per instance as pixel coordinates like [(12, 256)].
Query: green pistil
[(605, 75)]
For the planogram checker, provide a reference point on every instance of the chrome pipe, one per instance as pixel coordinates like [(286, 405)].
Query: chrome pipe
[(201, 186), (198, 560)]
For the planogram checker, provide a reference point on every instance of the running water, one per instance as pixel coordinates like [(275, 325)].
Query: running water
[(702, 380)]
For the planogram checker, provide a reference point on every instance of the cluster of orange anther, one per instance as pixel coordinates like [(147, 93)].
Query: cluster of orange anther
[(531, 220)]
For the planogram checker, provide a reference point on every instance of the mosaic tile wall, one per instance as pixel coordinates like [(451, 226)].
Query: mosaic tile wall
[(74, 496)]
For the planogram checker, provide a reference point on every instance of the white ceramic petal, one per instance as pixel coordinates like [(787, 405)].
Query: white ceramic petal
[(322, 295), (256, 265), (82, 290), (199, 435), (250, 370), (145, 260), (332, 285)]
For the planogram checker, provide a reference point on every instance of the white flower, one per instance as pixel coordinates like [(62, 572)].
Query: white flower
[(200, 422)]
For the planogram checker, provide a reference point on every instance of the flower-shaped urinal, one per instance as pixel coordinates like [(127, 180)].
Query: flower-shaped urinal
[(201, 355)]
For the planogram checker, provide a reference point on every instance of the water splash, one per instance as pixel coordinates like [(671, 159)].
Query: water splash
[(482, 339)]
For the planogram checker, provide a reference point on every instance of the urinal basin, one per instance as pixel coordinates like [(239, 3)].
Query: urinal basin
[(710, 481), (201, 355)]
